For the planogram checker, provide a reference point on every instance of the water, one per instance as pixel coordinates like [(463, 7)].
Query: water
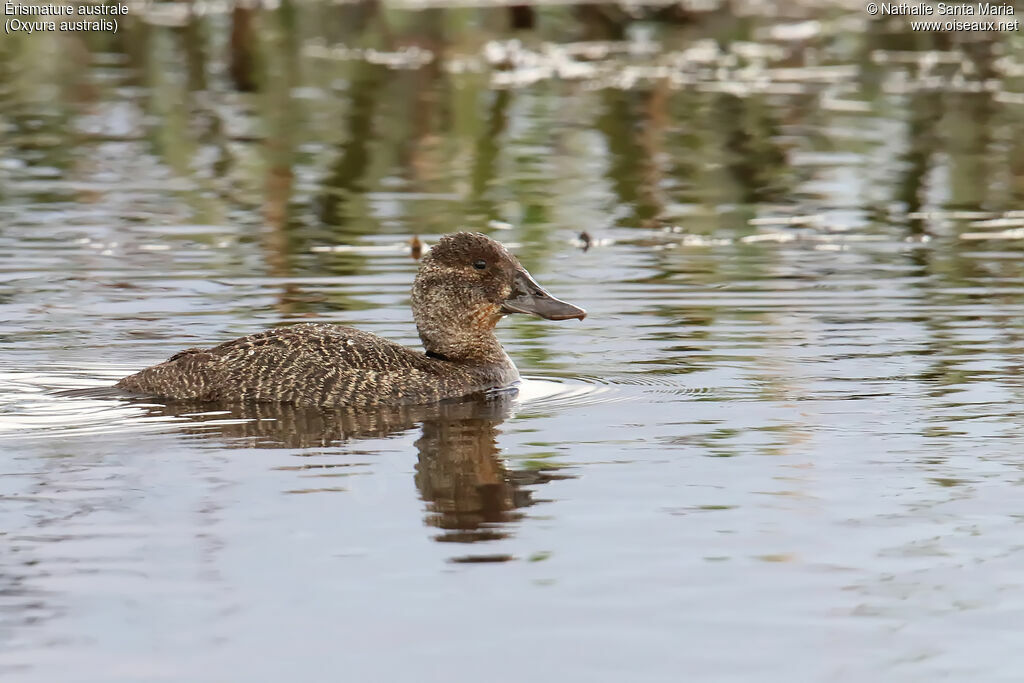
[(784, 445)]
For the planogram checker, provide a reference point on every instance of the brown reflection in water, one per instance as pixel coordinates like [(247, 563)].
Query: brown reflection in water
[(469, 492), (193, 48), (756, 164), (485, 158), (424, 158), (22, 605), (345, 177), (601, 21), (241, 57), (468, 489), (632, 123), (923, 135), (521, 17)]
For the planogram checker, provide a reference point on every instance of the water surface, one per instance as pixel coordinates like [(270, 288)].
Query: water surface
[(785, 444)]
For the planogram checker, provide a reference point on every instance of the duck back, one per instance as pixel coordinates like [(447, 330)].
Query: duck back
[(315, 365)]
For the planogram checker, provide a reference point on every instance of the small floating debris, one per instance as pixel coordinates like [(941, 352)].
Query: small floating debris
[(693, 240), (470, 559), (832, 103), (1004, 97), (826, 74), (601, 49), (407, 57), (928, 58), (950, 215), (460, 64), (804, 30), (810, 219), (396, 248), (1014, 234), (757, 51), (778, 237), (585, 240), (1004, 222)]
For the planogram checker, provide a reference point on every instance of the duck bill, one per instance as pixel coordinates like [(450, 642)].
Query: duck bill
[(529, 297)]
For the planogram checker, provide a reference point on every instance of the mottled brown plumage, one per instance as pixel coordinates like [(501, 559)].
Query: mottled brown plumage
[(465, 285)]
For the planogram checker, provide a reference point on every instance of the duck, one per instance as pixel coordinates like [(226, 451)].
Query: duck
[(465, 285)]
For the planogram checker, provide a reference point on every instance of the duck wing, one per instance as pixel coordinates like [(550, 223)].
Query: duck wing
[(309, 364)]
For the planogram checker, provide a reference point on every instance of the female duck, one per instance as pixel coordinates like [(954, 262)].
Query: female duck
[(465, 285)]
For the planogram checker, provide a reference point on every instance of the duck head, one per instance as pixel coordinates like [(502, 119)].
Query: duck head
[(467, 282)]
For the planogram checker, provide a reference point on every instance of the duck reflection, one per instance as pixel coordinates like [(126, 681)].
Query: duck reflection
[(469, 492)]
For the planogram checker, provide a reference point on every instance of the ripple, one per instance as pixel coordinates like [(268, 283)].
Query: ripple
[(71, 401), (587, 390), (553, 392), (61, 402), (651, 383)]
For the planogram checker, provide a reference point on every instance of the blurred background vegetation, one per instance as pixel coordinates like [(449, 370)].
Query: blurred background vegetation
[(295, 111), (322, 123)]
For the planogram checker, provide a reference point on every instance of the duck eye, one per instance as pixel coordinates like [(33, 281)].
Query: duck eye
[(480, 264)]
